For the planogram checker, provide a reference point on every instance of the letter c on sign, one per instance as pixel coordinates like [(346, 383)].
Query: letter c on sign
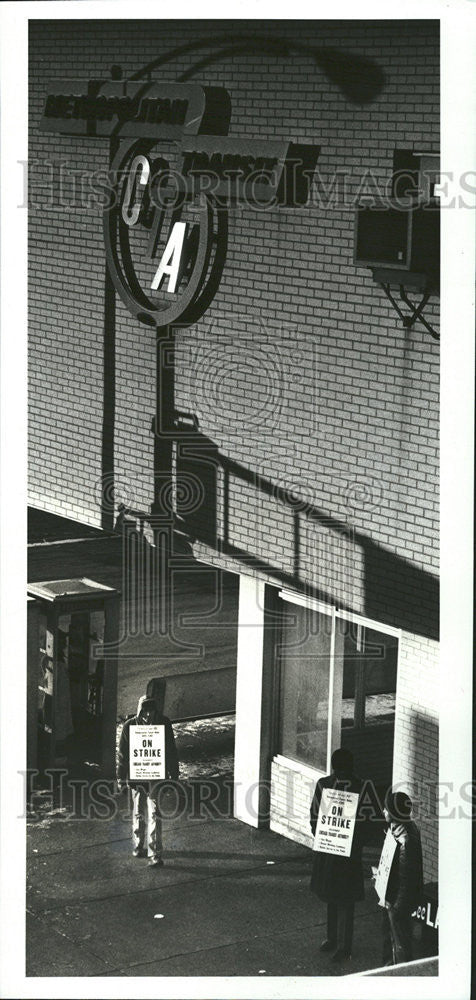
[(131, 214)]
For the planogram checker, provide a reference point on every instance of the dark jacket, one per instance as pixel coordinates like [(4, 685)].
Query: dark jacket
[(335, 879), (171, 758), (405, 881)]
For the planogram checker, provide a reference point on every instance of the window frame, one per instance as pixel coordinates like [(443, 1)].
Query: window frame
[(336, 670), (360, 720)]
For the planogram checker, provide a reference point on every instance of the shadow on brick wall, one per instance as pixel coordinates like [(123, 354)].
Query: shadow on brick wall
[(396, 591), (417, 774)]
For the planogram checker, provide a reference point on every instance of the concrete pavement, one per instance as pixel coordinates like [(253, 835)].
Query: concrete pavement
[(230, 901)]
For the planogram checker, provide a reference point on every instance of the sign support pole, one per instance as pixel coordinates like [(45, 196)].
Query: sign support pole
[(163, 504), (109, 388)]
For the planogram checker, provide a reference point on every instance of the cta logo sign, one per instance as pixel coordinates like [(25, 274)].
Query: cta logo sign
[(165, 226), (165, 250), (166, 230)]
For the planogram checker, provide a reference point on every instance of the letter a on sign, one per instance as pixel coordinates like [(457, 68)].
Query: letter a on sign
[(170, 263)]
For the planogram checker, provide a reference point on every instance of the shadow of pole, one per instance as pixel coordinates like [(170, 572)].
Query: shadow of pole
[(391, 582)]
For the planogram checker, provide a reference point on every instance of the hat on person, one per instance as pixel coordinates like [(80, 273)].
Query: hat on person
[(342, 762), (398, 805), (146, 704)]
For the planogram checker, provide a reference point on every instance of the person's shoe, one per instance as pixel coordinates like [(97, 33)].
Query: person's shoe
[(139, 852), (156, 863), (340, 955), (327, 945)]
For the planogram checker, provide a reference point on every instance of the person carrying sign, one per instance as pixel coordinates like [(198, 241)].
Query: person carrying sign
[(337, 824), (137, 757), (399, 880)]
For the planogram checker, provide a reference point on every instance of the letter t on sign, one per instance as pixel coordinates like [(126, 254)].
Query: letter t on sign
[(170, 262)]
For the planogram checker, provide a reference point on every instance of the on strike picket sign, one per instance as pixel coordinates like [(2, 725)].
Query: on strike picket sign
[(336, 822), (384, 866), (147, 753)]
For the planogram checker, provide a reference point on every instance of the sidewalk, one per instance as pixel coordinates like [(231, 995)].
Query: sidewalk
[(230, 901)]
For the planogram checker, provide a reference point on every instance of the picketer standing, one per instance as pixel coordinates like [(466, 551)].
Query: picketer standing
[(145, 794), (405, 880), (338, 880)]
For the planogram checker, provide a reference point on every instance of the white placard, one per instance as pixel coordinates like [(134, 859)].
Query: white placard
[(336, 822), (147, 753), (384, 866)]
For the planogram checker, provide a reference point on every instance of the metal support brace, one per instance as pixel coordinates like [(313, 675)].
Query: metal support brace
[(416, 310)]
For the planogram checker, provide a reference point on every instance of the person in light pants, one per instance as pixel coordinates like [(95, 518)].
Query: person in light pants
[(146, 818), (145, 794)]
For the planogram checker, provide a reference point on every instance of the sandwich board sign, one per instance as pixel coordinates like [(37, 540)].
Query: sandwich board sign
[(336, 822), (385, 864), (147, 753)]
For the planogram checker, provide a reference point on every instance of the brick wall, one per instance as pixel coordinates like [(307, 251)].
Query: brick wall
[(290, 802), (415, 762), (299, 372)]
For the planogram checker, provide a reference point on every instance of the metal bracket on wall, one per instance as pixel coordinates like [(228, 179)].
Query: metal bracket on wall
[(416, 310)]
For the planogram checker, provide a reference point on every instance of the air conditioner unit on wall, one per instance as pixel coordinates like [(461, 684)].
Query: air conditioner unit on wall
[(400, 239)]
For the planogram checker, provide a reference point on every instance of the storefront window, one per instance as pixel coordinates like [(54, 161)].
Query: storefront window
[(305, 666), (337, 678), (369, 677)]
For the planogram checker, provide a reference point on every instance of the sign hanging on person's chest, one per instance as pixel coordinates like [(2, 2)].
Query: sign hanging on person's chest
[(147, 753), (336, 822)]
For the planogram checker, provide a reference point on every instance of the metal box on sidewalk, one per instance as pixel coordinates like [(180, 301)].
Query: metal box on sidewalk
[(76, 632)]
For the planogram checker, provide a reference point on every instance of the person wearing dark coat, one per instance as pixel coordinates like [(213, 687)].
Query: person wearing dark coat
[(145, 806), (405, 880), (339, 881)]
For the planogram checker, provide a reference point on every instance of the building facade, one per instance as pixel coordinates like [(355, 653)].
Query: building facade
[(313, 413)]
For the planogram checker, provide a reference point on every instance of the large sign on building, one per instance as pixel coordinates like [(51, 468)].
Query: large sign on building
[(171, 184), (134, 109)]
